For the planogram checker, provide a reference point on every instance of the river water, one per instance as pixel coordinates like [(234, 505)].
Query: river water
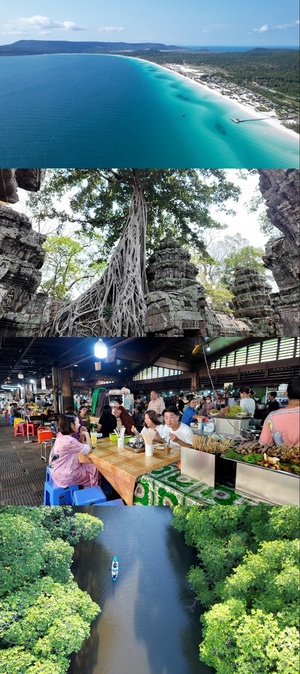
[(146, 625)]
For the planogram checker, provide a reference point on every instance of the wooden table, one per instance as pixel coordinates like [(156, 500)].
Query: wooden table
[(121, 467)]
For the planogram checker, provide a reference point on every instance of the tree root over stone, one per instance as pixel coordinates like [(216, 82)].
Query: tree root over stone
[(114, 305)]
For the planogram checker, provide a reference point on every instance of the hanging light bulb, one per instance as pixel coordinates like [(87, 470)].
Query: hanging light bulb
[(100, 349), (20, 375)]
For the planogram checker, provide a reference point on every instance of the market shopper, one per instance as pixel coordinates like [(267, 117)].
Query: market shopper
[(174, 431), (84, 417), (156, 404), (152, 421), (121, 413), (107, 422), (207, 406), (246, 403), (283, 425), (63, 460)]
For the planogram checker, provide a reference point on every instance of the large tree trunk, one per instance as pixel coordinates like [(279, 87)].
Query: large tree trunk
[(115, 304)]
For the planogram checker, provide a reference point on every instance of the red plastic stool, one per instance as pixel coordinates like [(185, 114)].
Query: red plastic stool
[(24, 428), (18, 429), (32, 428)]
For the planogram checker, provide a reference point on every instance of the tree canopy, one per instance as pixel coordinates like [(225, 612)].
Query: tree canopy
[(247, 578), (44, 616), (178, 202)]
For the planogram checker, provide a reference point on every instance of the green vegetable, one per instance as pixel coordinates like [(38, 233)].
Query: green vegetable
[(233, 410)]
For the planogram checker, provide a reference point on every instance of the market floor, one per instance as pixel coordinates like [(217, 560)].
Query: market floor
[(22, 471)]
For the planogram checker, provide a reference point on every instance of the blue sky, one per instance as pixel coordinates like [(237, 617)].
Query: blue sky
[(183, 22)]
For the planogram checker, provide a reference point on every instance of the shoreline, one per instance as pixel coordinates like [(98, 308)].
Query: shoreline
[(243, 107), (175, 69)]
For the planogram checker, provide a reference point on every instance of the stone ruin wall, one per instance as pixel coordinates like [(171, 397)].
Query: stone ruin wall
[(280, 189), (22, 257), (176, 302)]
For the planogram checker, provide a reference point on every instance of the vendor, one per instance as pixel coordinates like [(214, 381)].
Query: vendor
[(190, 413), (246, 403), (273, 404), (283, 425)]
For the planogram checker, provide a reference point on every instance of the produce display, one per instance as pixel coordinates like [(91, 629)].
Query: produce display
[(211, 444), (278, 457), (233, 411)]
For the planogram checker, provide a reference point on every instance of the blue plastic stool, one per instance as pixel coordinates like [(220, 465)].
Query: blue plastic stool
[(89, 496), (55, 495), (115, 502)]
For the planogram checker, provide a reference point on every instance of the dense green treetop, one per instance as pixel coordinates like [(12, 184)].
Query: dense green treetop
[(248, 578), (44, 616), (178, 202)]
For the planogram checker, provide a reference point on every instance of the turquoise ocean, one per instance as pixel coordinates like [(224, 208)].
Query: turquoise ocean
[(99, 111)]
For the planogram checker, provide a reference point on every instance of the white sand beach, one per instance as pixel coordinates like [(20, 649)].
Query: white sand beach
[(244, 109)]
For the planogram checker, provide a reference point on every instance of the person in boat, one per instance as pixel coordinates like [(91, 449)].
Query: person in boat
[(174, 431), (107, 422), (283, 425), (122, 414), (63, 460)]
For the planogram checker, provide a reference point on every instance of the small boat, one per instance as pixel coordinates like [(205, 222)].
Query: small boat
[(115, 568)]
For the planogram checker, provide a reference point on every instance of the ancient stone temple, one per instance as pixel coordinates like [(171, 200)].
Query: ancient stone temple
[(253, 301), (176, 303), (21, 260), (280, 189), (26, 179)]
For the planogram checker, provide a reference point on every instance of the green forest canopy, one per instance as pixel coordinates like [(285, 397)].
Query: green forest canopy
[(178, 203), (44, 616), (247, 578)]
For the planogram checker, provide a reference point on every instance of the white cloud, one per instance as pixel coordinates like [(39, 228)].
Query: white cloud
[(262, 29), (280, 26), (283, 26), (111, 29), (41, 24)]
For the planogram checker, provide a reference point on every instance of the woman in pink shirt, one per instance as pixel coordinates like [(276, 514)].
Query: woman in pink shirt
[(63, 460), (283, 425)]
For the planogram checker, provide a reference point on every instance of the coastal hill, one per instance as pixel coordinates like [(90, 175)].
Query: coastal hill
[(31, 47)]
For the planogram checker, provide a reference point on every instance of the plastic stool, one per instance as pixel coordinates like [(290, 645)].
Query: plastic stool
[(89, 496), (115, 502), (55, 495), (31, 428), (18, 429), (17, 420), (44, 446)]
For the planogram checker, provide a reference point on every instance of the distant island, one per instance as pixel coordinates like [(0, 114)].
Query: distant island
[(32, 47)]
